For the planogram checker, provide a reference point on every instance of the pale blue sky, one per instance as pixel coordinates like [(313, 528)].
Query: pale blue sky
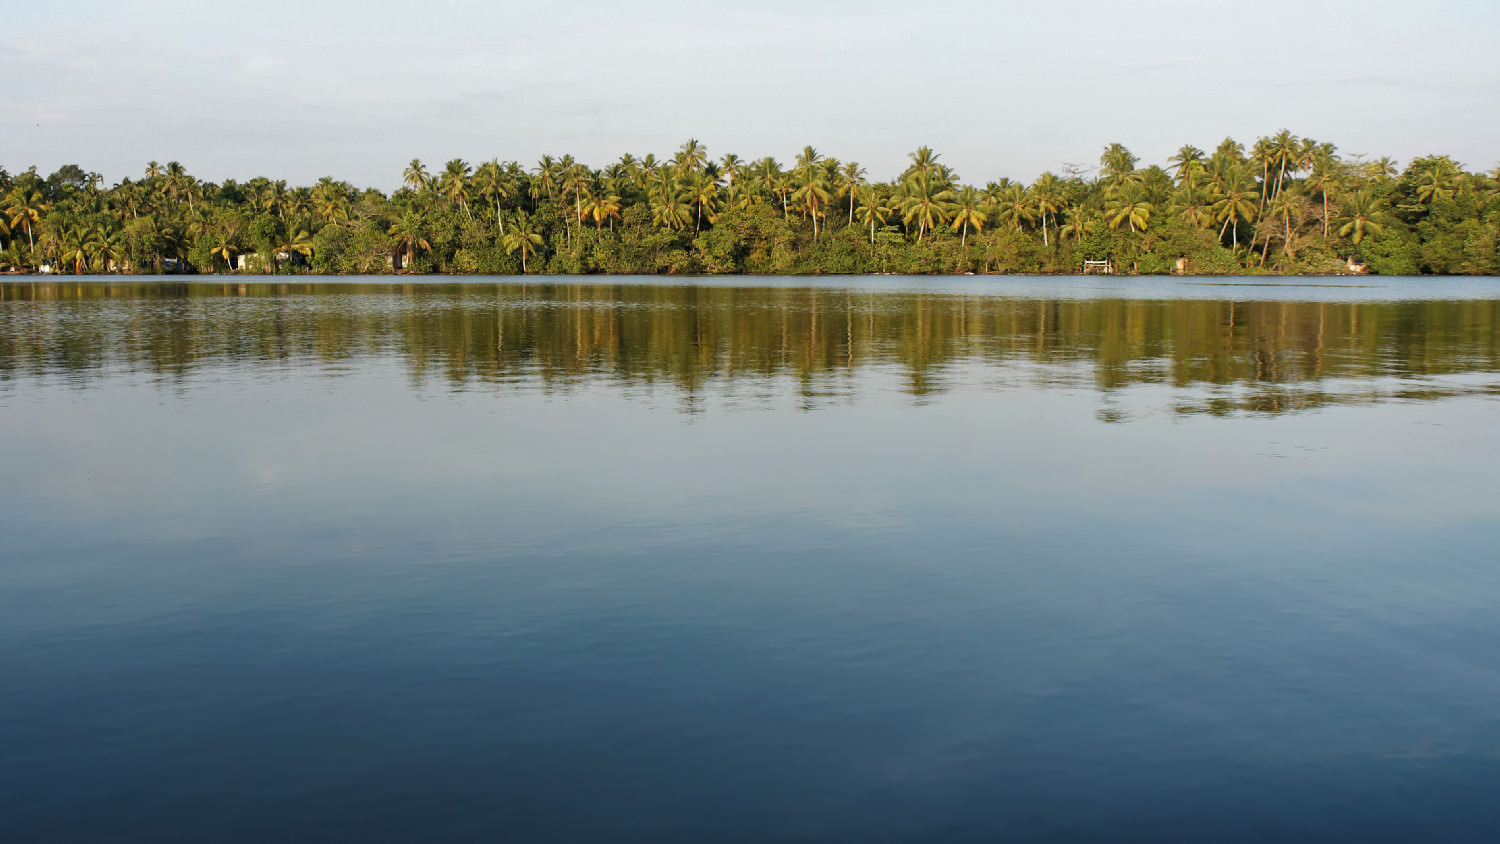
[(355, 90)]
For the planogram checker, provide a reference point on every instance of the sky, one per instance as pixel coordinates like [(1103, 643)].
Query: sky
[(356, 90)]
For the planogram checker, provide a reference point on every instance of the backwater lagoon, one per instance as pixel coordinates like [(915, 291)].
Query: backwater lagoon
[(855, 559)]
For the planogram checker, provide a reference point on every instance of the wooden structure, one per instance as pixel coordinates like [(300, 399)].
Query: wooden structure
[(1098, 267)]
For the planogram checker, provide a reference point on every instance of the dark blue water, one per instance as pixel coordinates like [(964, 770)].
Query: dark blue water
[(308, 594)]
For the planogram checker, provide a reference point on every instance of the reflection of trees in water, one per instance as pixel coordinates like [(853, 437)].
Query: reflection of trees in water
[(1244, 356)]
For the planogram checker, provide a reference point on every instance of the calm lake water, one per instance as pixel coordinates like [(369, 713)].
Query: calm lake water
[(863, 560)]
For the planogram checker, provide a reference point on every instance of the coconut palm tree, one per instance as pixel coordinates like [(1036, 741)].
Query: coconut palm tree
[(1234, 202), (494, 184), (415, 176), (294, 238), (1128, 204), (1079, 226), (602, 206), (546, 178), (873, 211), (702, 193), (1016, 206), (1117, 162), (812, 194), (851, 176), (923, 163), (1187, 165), (926, 198), (1437, 178), (1361, 214), (1324, 181), (969, 211), (412, 232), (225, 241), (25, 205), (454, 184), (1046, 200), (691, 157), (330, 201), (522, 238), (1193, 208)]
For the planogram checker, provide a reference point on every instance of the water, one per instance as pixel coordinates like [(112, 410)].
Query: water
[(878, 559)]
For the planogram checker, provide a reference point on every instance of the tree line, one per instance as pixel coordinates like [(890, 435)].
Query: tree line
[(1284, 205)]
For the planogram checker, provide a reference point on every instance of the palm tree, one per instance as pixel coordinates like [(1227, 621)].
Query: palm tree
[(1129, 204), (1437, 179), (703, 192), (26, 205), (546, 178), (691, 157), (295, 239), (926, 201), (872, 211), (1361, 214), (415, 176), (330, 201), (77, 244), (225, 237), (1079, 226), (178, 182), (109, 248), (1287, 152), (603, 206), (851, 176), (1016, 206), (729, 168), (1234, 203), (812, 192), (1046, 199), (411, 232), (970, 210), (299, 201), (1187, 165), (1118, 162), (1324, 180), (923, 163), (1193, 209), (492, 183), (1263, 153), (454, 184), (523, 239)]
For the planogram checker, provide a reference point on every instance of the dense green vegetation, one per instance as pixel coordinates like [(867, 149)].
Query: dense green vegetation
[(1257, 357), (1285, 205)]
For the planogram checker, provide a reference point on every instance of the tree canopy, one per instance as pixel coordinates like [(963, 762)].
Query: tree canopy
[(1283, 205)]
